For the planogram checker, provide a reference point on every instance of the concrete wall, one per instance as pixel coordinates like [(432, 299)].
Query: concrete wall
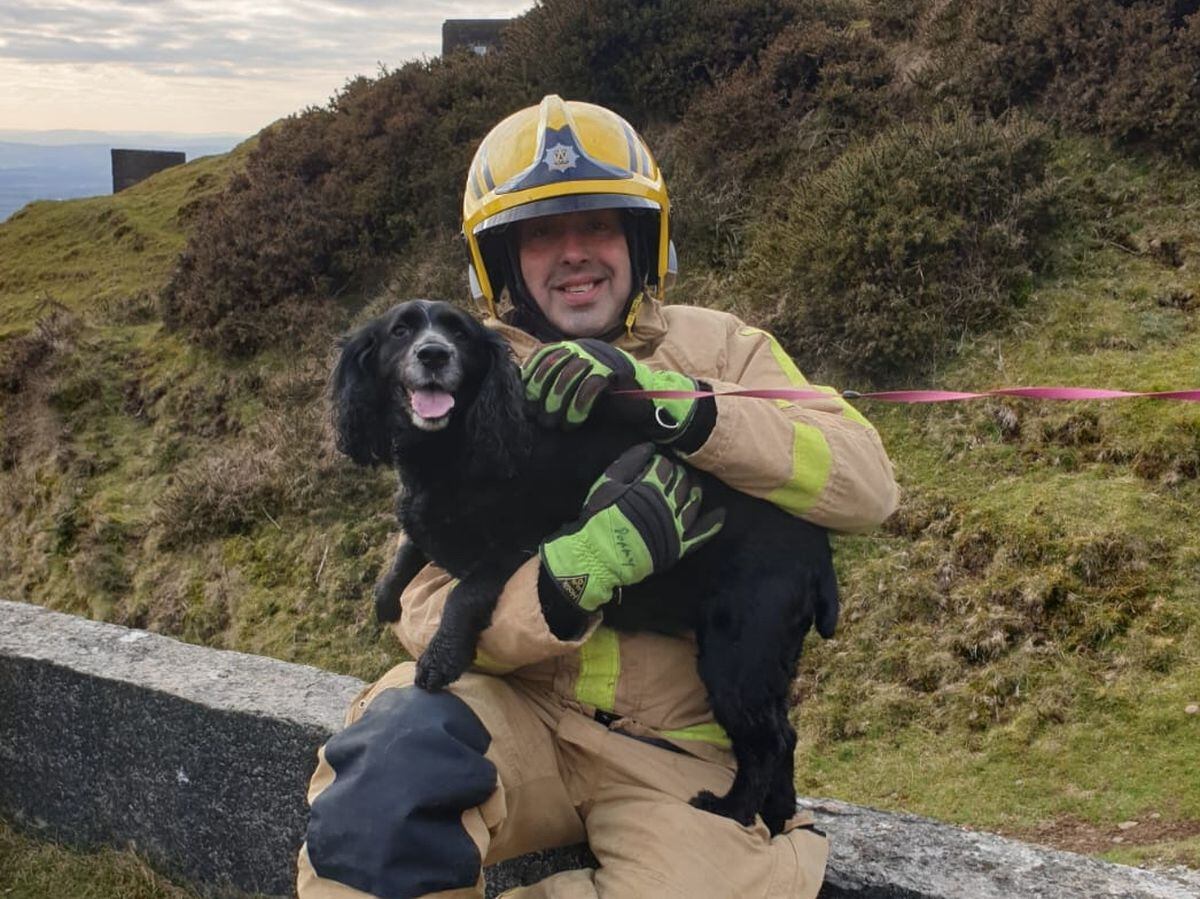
[(477, 35), (131, 166), (200, 759)]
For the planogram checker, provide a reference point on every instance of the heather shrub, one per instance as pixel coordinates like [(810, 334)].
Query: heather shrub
[(284, 464), (223, 492), (1126, 69), (642, 60), (332, 197), (435, 269), (739, 97), (824, 76), (329, 196), (788, 111), (270, 240), (20, 357), (878, 264)]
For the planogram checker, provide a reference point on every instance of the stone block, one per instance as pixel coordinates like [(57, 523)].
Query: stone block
[(884, 855), (200, 759)]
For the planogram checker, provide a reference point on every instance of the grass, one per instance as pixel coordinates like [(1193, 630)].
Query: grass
[(34, 869), (1017, 646), (103, 252), (159, 491)]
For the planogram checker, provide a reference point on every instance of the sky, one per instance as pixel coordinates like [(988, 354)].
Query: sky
[(204, 66)]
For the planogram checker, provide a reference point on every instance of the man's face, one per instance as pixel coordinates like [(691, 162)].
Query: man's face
[(576, 267)]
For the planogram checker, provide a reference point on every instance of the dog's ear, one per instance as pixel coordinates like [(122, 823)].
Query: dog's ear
[(359, 399), (496, 424)]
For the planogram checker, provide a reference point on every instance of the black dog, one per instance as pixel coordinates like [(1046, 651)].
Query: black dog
[(428, 389)]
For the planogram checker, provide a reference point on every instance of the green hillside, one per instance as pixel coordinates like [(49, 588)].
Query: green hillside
[(115, 252), (912, 199), (1020, 644)]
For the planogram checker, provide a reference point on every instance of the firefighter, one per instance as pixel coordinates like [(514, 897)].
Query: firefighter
[(566, 731)]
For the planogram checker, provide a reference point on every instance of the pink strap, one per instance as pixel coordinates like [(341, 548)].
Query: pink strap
[(925, 396)]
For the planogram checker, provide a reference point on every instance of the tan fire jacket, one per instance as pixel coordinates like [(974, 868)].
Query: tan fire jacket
[(819, 459)]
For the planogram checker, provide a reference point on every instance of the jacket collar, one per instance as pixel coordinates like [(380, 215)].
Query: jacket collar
[(643, 338)]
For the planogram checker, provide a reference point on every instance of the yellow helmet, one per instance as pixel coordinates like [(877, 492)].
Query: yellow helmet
[(563, 156)]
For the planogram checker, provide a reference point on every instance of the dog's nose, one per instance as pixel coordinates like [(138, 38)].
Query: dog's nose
[(433, 355)]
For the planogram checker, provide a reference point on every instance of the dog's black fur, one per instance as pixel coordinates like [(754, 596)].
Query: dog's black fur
[(482, 490)]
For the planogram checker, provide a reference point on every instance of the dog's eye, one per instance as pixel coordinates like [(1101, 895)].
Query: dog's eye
[(457, 332), (399, 329)]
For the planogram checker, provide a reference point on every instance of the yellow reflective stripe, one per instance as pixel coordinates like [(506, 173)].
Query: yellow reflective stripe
[(853, 414), (811, 463), (784, 361), (811, 459), (705, 733), (485, 662), (796, 379), (599, 668)]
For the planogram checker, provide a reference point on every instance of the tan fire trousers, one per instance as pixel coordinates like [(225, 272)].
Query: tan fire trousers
[(563, 778)]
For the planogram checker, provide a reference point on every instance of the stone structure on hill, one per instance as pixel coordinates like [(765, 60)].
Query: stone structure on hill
[(199, 759), (131, 166), (478, 35)]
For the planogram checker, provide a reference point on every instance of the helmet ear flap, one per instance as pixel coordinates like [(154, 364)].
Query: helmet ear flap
[(644, 236), (477, 294), (494, 256)]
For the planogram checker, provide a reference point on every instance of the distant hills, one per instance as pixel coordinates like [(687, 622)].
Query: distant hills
[(64, 164)]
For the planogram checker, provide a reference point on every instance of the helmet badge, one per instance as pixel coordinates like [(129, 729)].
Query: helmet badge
[(560, 157)]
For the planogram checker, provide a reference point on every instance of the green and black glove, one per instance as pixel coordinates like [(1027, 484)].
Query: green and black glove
[(565, 379), (640, 517)]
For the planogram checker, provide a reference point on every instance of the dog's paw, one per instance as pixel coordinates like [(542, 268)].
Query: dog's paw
[(441, 664), (432, 676), (708, 801), (778, 808), (774, 819), (387, 602)]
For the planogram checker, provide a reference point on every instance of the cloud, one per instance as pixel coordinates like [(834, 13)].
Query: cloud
[(201, 37), (204, 65)]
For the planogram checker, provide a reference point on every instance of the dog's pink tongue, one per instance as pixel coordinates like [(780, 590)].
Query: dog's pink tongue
[(431, 403)]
